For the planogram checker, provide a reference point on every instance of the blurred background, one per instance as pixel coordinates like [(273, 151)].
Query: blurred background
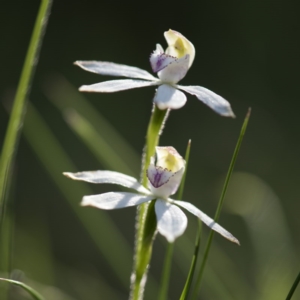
[(246, 51)]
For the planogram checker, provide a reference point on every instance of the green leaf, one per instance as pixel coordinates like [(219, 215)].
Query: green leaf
[(35, 295)]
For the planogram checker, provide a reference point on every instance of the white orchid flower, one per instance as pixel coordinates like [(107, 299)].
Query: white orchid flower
[(170, 65), (164, 176)]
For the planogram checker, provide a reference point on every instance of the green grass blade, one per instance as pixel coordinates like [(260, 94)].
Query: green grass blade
[(189, 279), (170, 248), (35, 295), (293, 288), (163, 292), (18, 110), (55, 163), (182, 183), (220, 204)]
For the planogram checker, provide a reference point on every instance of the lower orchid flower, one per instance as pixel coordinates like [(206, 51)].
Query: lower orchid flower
[(164, 174), (170, 65)]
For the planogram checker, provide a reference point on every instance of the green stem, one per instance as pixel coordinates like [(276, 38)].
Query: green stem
[(145, 232), (189, 279), (293, 288), (220, 204), (18, 110), (35, 295), (154, 131)]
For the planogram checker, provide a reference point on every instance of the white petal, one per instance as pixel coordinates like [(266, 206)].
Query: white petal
[(112, 69), (108, 177), (207, 220), (211, 99), (116, 85), (114, 200), (175, 70), (168, 97), (171, 221)]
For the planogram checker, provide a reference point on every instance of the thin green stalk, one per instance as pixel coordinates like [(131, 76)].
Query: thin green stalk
[(154, 131), (35, 295), (18, 110), (163, 292), (189, 279), (220, 204), (143, 248), (293, 288), (170, 248), (186, 157)]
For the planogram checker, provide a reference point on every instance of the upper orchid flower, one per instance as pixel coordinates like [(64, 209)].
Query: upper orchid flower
[(170, 65), (164, 174)]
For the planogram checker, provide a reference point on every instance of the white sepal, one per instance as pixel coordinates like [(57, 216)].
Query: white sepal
[(114, 200), (112, 86), (206, 219), (112, 69), (171, 221), (167, 96), (108, 177), (211, 99)]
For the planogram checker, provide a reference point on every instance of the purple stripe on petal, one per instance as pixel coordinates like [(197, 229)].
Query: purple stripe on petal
[(160, 61), (158, 176)]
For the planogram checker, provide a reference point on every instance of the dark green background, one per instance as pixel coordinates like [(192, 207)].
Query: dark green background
[(246, 51)]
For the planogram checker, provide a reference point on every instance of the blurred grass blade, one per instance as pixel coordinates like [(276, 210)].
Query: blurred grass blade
[(65, 96), (268, 230), (35, 295), (18, 110), (163, 293), (105, 154), (216, 279), (110, 241), (293, 288), (186, 157), (189, 279), (220, 204)]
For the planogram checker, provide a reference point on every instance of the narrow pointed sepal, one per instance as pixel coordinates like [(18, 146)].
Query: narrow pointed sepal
[(114, 200), (112, 86), (211, 99), (113, 69), (207, 220), (110, 177)]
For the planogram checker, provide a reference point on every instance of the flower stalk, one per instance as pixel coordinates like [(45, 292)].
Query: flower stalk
[(144, 240)]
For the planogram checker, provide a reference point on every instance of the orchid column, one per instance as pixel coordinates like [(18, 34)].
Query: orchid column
[(171, 66)]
